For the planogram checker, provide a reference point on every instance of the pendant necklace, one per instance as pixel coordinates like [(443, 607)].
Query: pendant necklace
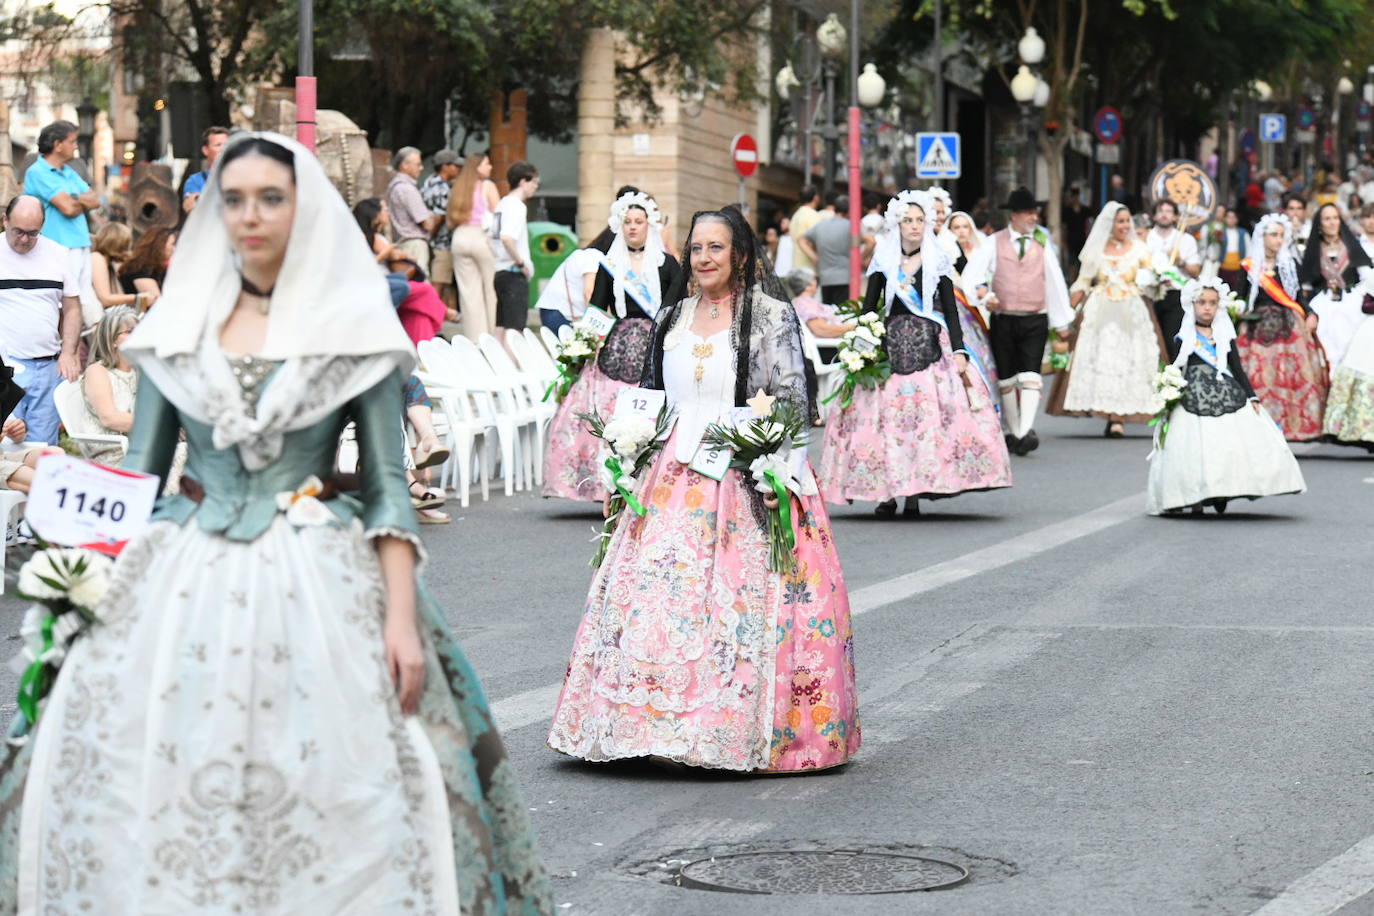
[(715, 305), (265, 296)]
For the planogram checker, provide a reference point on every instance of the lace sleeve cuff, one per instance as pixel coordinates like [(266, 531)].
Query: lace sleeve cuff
[(389, 531)]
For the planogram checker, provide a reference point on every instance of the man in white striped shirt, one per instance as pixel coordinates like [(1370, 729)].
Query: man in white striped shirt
[(40, 314)]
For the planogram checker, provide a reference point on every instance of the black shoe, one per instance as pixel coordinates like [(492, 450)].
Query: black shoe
[(1011, 441), (1220, 506), (1029, 443), (912, 507), (886, 509)]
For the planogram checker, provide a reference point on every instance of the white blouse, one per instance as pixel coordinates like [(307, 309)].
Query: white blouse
[(699, 403)]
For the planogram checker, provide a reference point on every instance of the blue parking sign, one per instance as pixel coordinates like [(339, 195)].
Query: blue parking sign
[(1273, 128)]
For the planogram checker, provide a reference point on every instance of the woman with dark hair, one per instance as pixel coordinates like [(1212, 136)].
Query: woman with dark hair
[(690, 648), (929, 431), (1277, 336), (629, 287), (1334, 274), (146, 267), (270, 712)]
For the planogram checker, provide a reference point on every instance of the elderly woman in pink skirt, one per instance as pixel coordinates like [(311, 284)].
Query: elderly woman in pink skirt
[(690, 648), (930, 430), (629, 286)]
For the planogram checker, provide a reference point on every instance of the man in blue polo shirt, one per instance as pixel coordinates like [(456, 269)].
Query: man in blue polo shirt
[(211, 142), (66, 199)]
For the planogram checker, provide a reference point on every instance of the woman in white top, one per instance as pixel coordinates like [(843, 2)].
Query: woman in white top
[(110, 382)]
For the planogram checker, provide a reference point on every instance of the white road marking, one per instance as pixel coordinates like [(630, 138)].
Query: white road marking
[(1344, 879), (536, 705)]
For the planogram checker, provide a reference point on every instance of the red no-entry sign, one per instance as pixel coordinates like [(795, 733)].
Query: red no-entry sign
[(744, 152)]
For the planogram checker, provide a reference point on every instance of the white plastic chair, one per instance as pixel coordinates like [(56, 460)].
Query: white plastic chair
[(551, 342), (828, 375), (71, 410), (531, 355), (492, 401), (565, 334), (11, 510), (462, 427), (526, 397)]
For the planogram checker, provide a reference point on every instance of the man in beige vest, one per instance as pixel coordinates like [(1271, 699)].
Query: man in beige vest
[(1015, 275)]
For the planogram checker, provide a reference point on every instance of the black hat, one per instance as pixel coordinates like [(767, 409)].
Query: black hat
[(1022, 199)]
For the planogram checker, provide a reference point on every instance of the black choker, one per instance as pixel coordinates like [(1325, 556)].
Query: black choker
[(252, 290), (910, 254), (639, 250)]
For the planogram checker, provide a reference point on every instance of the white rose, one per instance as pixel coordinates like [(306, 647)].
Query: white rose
[(866, 333), (89, 590), (1170, 393), (877, 327), (852, 361), (577, 348)]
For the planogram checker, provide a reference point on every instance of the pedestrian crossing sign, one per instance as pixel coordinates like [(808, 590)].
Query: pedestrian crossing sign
[(937, 155)]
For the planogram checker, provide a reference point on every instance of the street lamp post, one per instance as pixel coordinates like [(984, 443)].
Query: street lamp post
[(833, 41), (1023, 86), (305, 76)]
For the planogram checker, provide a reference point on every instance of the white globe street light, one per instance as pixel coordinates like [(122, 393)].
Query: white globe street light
[(832, 37), (1262, 90), (872, 87), (786, 81), (1023, 85), (1031, 47), (1042, 94), (1345, 87)]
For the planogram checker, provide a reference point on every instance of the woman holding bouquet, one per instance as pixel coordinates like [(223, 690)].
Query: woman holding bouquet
[(629, 286), (1117, 345), (267, 682), (692, 648), (1278, 343), (929, 430)]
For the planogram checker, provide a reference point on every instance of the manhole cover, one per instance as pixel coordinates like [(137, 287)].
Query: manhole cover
[(837, 871)]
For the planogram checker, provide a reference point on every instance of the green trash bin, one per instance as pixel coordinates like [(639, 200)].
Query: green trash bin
[(550, 245)]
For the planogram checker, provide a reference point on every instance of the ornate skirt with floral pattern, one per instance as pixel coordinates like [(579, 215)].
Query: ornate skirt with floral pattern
[(1287, 370), (977, 344), (691, 649), (571, 468), (1221, 448), (1350, 407), (923, 433), (1116, 353), (228, 740)]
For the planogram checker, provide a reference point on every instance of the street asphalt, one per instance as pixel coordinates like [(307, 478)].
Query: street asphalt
[(1092, 710)]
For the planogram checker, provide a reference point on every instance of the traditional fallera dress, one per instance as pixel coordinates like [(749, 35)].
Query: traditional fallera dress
[(923, 432), (689, 647), (1117, 347), (227, 738), (1346, 334), (1218, 447), (1349, 418), (571, 468), (1281, 357), (973, 324)]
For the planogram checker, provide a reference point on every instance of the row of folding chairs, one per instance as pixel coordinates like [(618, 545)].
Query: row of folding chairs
[(491, 407)]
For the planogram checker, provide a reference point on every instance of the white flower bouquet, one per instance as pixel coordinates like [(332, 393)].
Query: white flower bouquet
[(66, 585), (580, 349), (863, 354), (632, 443), (762, 448), (1168, 384)]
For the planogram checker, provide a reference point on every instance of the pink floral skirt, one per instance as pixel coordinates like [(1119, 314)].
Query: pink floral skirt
[(571, 469), (690, 648), (922, 434)]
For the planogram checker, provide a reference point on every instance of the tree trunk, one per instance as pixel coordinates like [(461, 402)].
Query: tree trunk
[(1052, 148)]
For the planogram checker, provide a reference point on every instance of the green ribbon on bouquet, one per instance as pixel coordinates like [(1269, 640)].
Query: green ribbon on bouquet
[(32, 682), (564, 383), (846, 389), (613, 465), (784, 507), (1173, 276)]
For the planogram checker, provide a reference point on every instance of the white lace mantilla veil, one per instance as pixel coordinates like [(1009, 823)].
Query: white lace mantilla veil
[(1090, 258), (887, 255), (331, 321), (1223, 330), (1284, 263), (619, 253)]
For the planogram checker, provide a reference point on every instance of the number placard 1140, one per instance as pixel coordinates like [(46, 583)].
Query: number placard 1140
[(74, 502)]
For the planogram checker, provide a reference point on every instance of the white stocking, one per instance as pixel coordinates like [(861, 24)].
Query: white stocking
[(1010, 412), (1029, 384)]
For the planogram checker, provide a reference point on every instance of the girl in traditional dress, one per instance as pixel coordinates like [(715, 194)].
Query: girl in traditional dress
[(930, 430), (1117, 347), (270, 715), (972, 321), (1335, 273), (690, 648), (629, 286), (1277, 343), (1220, 444)]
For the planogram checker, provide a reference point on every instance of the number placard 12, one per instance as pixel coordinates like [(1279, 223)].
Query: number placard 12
[(73, 502), (638, 402)]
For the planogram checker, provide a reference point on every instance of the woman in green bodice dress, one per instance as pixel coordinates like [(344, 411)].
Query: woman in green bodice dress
[(270, 716)]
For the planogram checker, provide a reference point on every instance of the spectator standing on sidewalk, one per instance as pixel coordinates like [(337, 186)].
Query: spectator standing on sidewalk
[(211, 142), (411, 221), (471, 207), (803, 218), (40, 314), (512, 247), (435, 193), (66, 199), (827, 244)]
